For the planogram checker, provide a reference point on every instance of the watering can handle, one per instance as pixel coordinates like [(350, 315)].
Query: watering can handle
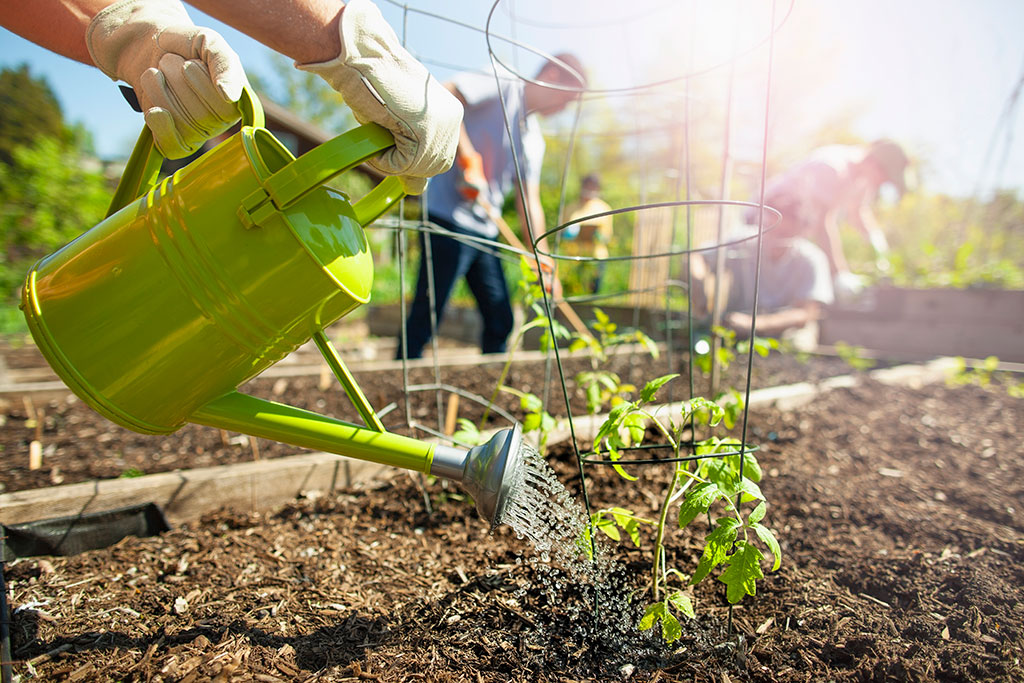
[(333, 157), (143, 167)]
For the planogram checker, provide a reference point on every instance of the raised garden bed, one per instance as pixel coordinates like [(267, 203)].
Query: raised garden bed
[(975, 323), (78, 445), (897, 510)]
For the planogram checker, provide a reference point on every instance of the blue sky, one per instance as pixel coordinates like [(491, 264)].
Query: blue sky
[(936, 75)]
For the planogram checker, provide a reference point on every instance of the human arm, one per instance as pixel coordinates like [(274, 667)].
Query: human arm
[(870, 229), (304, 30), (360, 57), (532, 223), (862, 218), (57, 25), (833, 245), (187, 79), (382, 83), (775, 323)]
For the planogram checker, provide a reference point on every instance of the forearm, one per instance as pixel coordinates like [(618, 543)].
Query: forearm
[(773, 324), (57, 25), (305, 30), (531, 215), (834, 245), (871, 230)]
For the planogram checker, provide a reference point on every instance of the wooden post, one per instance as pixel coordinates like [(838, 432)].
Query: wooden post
[(451, 415)]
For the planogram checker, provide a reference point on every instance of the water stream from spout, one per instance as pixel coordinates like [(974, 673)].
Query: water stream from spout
[(589, 595)]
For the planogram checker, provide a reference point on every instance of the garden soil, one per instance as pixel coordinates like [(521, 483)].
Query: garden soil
[(898, 511)]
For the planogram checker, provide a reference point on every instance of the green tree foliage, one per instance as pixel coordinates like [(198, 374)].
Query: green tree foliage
[(48, 192), (28, 110), (48, 196)]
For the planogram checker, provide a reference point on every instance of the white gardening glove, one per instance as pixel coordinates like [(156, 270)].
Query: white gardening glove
[(187, 78), (848, 285), (881, 246), (384, 84)]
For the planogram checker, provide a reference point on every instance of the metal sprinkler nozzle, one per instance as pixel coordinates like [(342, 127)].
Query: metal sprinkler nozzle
[(488, 472)]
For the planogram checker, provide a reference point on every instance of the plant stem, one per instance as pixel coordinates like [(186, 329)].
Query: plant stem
[(660, 538)]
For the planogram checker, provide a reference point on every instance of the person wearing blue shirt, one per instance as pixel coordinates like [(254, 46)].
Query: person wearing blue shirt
[(465, 200), (794, 284)]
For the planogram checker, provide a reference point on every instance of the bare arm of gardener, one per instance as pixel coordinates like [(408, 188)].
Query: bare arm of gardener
[(57, 25)]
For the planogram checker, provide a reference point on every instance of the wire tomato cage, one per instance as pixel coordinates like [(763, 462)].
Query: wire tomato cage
[(670, 129)]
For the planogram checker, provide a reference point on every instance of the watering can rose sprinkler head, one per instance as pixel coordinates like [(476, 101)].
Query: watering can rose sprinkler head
[(491, 473)]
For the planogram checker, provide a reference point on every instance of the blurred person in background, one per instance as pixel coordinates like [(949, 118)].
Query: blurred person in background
[(840, 182), (466, 201), (795, 279), (592, 233)]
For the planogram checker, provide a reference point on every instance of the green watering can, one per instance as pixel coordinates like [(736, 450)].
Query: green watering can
[(193, 286)]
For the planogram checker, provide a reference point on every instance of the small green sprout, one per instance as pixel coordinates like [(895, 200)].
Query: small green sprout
[(854, 356)]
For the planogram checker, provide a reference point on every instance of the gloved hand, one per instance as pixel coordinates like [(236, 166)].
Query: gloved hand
[(187, 78), (472, 182), (384, 84), (848, 285), (881, 246)]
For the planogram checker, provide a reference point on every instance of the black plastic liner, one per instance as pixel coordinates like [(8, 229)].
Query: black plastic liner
[(78, 533)]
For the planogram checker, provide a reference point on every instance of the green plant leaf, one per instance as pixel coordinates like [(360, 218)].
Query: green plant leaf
[(758, 513), (651, 388), (768, 538), (467, 432), (682, 602), (659, 612), (652, 613), (742, 573), (751, 468), (635, 425), (671, 630), (526, 272), (583, 543), (531, 403), (717, 545), (611, 424), (648, 343), (614, 455), (531, 422), (607, 526), (703, 411), (750, 490), (628, 522), (697, 501), (593, 394)]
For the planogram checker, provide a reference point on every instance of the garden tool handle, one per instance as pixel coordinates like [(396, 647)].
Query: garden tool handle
[(510, 236), (143, 167)]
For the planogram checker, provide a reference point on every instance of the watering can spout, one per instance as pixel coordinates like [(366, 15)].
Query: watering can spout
[(491, 472)]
